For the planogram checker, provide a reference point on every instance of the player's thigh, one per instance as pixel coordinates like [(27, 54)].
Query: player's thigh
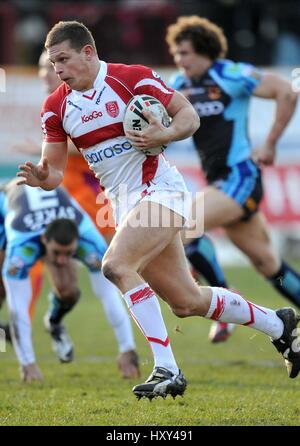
[(169, 276), (139, 239), (252, 238), (64, 279), (215, 209), (219, 208)]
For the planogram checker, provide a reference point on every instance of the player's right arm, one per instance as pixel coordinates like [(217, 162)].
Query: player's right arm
[(18, 291), (49, 172)]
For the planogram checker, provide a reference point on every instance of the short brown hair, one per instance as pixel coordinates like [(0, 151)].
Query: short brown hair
[(76, 33), (62, 231), (206, 37)]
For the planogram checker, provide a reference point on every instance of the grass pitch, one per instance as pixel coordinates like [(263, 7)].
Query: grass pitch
[(241, 382)]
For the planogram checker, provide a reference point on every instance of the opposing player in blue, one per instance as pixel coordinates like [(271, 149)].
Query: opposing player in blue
[(50, 225), (220, 91)]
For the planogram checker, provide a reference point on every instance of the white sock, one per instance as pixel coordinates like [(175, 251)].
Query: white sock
[(114, 310), (145, 310), (228, 306), (18, 293)]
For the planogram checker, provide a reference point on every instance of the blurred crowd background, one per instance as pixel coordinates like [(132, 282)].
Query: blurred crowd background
[(262, 32), (265, 33)]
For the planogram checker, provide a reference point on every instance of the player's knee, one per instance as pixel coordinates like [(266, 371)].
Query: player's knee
[(181, 312), (13, 271), (112, 270), (68, 294), (264, 262), (108, 270)]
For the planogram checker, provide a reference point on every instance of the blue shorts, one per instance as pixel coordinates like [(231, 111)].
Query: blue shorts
[(244, 185), (21, 256)]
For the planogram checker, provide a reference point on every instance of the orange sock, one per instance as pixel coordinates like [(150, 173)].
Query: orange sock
[(36, 277)]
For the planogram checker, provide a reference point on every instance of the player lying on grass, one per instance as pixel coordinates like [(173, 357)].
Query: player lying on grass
[(32, 228)]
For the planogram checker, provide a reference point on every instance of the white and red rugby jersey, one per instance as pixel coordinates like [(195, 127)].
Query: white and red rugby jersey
[(93, 120)]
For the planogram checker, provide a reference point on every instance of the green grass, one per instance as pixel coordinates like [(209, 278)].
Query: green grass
[(241, 382)]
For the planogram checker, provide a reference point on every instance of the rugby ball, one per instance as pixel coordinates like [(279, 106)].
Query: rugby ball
[(134, 119)]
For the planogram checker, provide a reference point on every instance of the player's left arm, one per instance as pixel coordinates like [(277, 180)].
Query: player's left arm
[(274, 87), (185, 119)]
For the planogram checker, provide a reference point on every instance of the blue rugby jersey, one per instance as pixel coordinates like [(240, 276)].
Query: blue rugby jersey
[(24, 214), (221, 97)]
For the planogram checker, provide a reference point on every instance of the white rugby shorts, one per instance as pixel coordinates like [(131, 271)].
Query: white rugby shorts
[(168, 189)]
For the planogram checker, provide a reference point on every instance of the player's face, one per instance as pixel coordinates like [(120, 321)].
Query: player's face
[(47, 74), (191, 63), (60, 255), (72, 66)]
